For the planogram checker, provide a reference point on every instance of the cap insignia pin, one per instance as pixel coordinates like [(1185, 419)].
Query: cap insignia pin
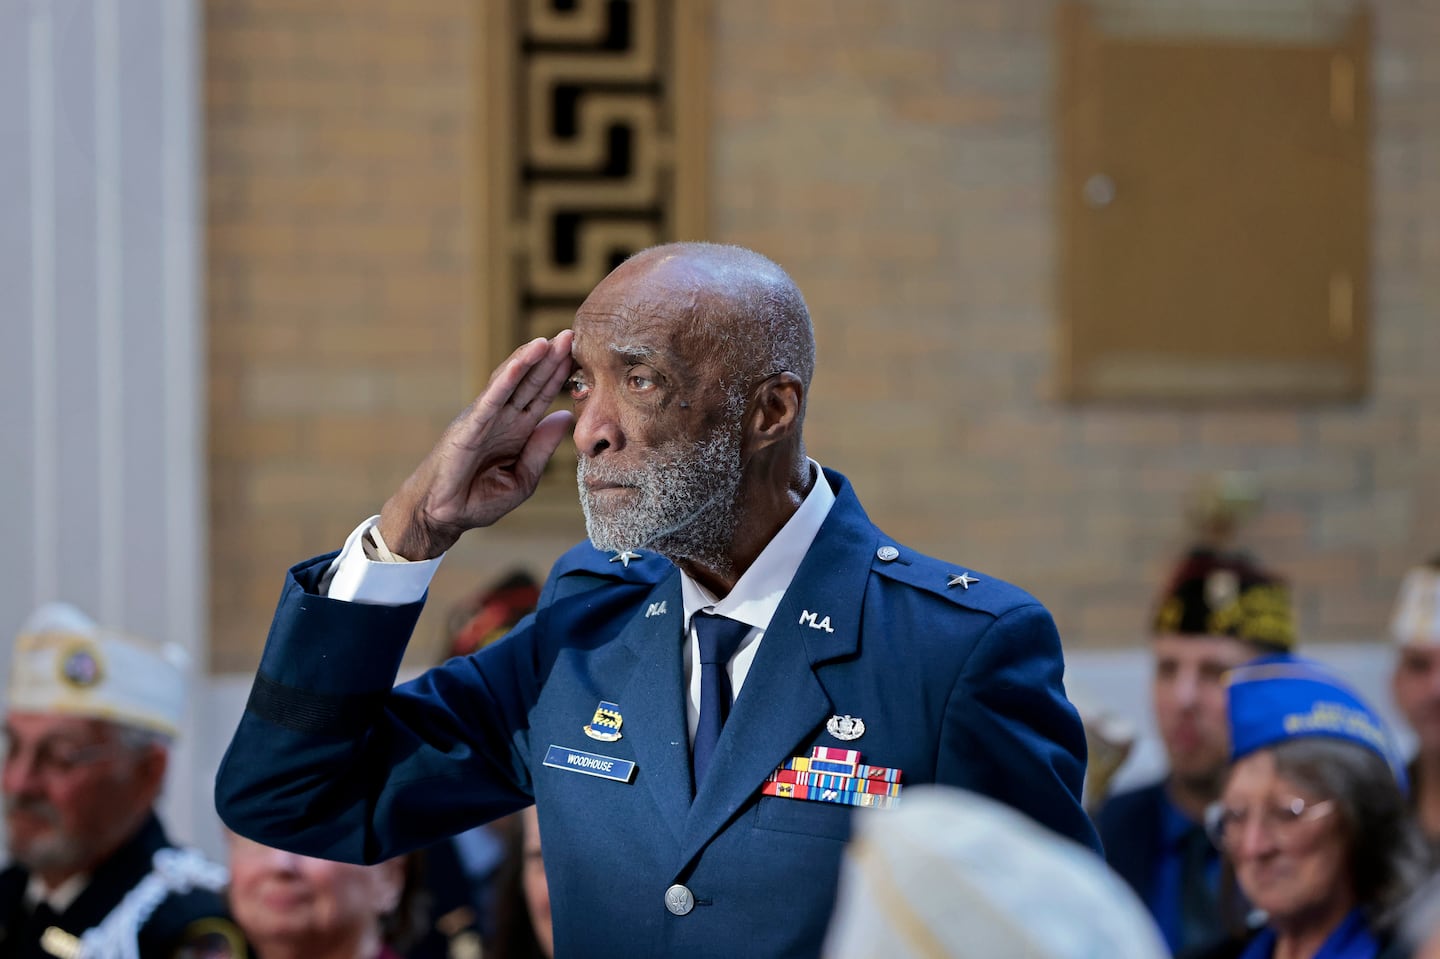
[(80, 667)]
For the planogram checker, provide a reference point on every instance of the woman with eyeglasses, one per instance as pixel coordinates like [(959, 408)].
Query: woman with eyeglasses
[(1312, 820)]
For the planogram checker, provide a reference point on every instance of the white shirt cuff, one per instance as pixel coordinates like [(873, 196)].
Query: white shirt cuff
[(355, 578)]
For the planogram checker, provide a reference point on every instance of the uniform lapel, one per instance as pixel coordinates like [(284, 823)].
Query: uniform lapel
[(782, 701), (653, 700)]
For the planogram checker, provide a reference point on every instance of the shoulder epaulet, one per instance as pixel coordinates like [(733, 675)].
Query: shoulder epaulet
[(584, 567), (636, 566), (962, 585)]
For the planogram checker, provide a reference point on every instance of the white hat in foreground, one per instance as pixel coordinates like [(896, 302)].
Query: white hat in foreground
[(951, 873), (1416, 620), (64, 663)]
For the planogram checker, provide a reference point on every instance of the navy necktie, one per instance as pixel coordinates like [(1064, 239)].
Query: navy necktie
[(719, 638), (1200, 923)]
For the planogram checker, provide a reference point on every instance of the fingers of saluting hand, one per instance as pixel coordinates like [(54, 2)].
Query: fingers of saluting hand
[(531, 378), (541, 445)]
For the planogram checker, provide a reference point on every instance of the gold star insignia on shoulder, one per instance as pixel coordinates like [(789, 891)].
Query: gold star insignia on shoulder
[(625, 557), (962, 579)]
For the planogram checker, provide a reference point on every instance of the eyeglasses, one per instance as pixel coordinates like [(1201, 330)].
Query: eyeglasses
[(1225, 825), (57, 759)]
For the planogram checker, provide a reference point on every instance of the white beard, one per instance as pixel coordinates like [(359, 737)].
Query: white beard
[(682, 505)]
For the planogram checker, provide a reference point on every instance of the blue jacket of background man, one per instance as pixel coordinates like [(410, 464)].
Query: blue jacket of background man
[(954, 685)]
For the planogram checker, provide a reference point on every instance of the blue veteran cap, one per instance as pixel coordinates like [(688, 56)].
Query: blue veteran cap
[(1282, 697)]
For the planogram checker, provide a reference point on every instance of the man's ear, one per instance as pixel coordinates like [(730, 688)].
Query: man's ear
[(777, 410), (150, 769)]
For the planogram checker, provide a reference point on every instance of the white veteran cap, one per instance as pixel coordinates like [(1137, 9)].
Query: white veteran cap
[(1416, 620), (951, 873), (64, 663)]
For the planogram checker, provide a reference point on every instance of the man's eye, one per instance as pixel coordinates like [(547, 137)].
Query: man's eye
[(641, 383), (578, 389)]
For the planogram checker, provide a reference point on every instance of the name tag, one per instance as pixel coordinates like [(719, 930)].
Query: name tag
[(591, 764)]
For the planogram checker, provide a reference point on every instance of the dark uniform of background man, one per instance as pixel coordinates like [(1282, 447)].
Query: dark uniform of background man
[(1415, 685), (89, 718), (679, 817), (1218, 612)]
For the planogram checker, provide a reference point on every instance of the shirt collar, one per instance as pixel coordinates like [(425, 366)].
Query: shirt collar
[(59, 898), (758, 591)]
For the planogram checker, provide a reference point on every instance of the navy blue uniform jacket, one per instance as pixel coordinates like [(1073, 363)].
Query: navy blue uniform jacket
[(954, 685), (194, 923)]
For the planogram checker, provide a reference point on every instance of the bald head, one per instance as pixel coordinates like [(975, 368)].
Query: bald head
[(691, 367), (741, 304)]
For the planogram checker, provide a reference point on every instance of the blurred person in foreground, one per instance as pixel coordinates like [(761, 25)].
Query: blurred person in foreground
[(1312, 818), (295, 907), (953, 874), (90, 715), (1415, 685), (736, 629), (1218, 612)]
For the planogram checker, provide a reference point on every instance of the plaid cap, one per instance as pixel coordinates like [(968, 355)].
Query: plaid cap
[(1219, 594)]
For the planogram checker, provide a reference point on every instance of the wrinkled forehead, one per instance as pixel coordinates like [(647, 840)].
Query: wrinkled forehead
[(645, 317), (38, 727)]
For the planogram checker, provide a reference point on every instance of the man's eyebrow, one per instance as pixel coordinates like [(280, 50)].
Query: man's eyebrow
[(634, 354)]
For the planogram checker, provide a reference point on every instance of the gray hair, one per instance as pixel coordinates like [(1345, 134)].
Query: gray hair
[(137, 740), (1387, 856)]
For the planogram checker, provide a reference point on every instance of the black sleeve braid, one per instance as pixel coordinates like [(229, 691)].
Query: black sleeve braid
[(318, 714)]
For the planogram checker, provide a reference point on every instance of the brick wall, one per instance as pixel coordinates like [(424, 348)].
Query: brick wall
[(341, 150), (897, 158)]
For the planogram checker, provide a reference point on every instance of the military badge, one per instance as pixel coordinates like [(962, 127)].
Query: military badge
[(845, 728), (605, 725), (80, 667)]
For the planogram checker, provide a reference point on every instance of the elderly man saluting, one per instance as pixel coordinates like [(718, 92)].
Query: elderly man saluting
[(89, 717), (737, 664)]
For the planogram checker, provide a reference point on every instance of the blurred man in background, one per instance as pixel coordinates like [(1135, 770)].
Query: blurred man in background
[(1218, 612), (89, 719), (1415, 626)]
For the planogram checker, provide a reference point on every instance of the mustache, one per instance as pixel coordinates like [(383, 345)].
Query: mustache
[(32, 806), (608, 473)]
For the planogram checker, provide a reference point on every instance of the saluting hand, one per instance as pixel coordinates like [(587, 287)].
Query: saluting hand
[(488, 460)]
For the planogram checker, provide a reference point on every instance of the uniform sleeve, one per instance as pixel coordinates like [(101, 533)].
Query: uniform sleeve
[(1011, 733), (330, 762)]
